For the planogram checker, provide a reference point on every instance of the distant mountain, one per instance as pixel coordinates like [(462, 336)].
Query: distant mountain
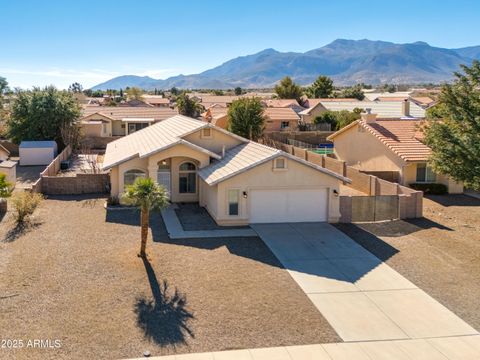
[(346, 61)]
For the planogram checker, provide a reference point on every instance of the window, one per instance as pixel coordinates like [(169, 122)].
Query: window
[(425, 173), (284, 125), (279, 164), (104, 129), (233, 201), (187, 178), (130, 176), (206, 133), (132, 127)]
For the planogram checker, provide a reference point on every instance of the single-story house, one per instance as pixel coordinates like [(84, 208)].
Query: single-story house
[(210, 100), (280, 119), (156, 100), (111, 121), (37, 152), (217, 115), (284, 103), (383, 109), (389, 149), (238, 181)]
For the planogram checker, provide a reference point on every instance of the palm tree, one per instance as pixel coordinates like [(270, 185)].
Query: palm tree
[(147, 195), (187, 106)]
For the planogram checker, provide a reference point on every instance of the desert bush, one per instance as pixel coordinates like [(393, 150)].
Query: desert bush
[(5, 186), (25, 203)]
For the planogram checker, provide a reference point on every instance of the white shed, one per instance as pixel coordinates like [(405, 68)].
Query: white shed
[(37, 152)]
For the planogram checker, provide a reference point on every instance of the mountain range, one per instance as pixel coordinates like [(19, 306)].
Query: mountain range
[(346, 61)]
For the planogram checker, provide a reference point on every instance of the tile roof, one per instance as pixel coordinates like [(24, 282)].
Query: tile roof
[(383, 109), (314, 102), (286, 113), (156, 99), (152, 139), (122, 112), (402, 137), (280, 103), (246, 156)]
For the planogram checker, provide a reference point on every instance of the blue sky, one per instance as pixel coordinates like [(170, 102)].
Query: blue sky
[(59, 42)]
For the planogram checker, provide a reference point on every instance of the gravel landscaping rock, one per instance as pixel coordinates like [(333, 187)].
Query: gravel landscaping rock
[(439, 253), (74, 276)]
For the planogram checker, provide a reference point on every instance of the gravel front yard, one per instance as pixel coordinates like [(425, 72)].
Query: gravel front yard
[(439, 253), (74, 276)]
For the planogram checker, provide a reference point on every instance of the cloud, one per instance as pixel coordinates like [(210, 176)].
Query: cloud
[(62, 78)]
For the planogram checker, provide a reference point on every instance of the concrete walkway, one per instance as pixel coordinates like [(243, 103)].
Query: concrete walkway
[(362, 298), (451, 348), (175, 229)]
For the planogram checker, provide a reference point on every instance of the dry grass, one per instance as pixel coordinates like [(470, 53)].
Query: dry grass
[(440, 253), (74, 276)]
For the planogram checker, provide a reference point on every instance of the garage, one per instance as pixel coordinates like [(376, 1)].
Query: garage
[(288, 205), (37, 152)]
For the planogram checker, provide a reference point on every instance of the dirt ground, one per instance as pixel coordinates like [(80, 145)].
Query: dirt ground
[(73, 276), (440, 253)]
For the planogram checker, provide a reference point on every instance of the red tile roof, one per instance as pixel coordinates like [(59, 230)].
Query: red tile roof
[(403, 137)]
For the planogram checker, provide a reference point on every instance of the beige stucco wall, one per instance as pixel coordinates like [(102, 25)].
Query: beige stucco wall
[(410, 176), (263, 176), (275, 125), (308, 119), (117, 129), (96, 129), (363, 151), (208, 198), (92, 130), (178, 154), (10, 173), (215, 143)]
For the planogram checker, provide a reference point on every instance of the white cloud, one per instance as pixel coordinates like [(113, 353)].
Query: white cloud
[(62, 78)]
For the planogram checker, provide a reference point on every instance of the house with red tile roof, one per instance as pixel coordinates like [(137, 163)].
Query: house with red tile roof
[(389, 148)]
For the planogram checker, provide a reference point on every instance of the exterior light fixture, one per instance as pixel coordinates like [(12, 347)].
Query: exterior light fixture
[(245, 195), (335, 192)]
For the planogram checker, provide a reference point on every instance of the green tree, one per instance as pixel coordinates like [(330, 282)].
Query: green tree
[(287, 89), (455, 140), (75, 88), (245, 118), (354, 92), (322, 87), (338, 119), (134, 93), (174, 91), (40, 114), (146, 195), (238, 91), (3, 90), (188, 106), (5, 186)]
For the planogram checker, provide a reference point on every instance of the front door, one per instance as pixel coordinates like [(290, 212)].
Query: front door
[(164, 176)]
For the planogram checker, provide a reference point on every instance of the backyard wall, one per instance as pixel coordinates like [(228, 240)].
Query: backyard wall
[(75, 185), (380, 199)]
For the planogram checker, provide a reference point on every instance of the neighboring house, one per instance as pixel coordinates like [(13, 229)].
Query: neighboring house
[(216, 115), (111, 121), (157, 100), (276, 119), (423, 101), (220, 100), (383, 109), (284, 103), (280, 119), (135, 103), (238, 181), (390, 149), (372, 96)]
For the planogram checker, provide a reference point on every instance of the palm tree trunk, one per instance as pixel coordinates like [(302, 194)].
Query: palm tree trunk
[(144, 227)]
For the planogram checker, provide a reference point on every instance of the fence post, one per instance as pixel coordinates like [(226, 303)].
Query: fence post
[(323, 161)]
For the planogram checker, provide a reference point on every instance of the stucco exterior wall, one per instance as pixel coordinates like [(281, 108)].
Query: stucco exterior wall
[(92, 130), (208, 198), (177, 154), (365, 152), (308, 119), (275, 125), (117, 129), (410, 176), (215, 142), (263, 176)]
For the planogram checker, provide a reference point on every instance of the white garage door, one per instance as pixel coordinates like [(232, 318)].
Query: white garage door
[(274, 206)]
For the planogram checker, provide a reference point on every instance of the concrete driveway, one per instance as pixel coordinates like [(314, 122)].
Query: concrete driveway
[(363, 298)]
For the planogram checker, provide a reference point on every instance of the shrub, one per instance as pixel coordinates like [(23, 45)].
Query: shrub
[(4, 186), (25, 203), (113, 201), (430, 188)]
